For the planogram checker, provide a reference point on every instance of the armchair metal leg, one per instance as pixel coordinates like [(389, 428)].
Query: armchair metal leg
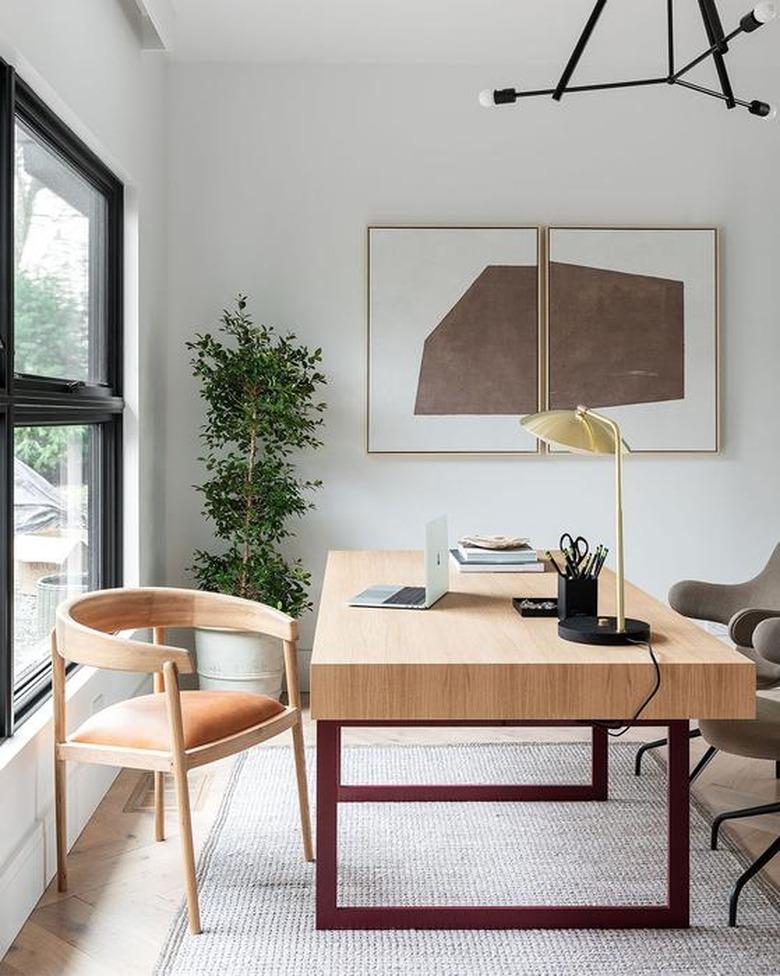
[(702, 764), (772, 851), (655, 744), (738, 815), (777, 768)]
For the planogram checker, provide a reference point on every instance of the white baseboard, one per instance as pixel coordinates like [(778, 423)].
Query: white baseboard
[(30, 860), (22, 882), (26, 874)]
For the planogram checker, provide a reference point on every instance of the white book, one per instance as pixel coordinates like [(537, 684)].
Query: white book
[(474, 554), (469, 567)]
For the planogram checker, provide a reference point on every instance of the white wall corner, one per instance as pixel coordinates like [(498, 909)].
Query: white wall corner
[(154, 20)]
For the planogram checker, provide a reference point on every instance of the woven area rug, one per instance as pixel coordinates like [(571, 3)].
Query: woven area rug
[(257, 895)]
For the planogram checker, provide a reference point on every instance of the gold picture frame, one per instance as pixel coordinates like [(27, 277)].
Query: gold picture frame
[(544, 235), (715, 449), (536, 450)]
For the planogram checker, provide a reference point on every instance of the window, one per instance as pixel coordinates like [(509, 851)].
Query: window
[(60, 384)]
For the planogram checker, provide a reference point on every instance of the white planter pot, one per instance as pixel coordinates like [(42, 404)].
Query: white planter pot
[(233, 660)]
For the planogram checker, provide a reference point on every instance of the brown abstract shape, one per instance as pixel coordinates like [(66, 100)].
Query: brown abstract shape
[(615, 338), (482, 357)]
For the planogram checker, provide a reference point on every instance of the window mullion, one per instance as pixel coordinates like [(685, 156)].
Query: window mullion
[(7, 81), (6, 570)]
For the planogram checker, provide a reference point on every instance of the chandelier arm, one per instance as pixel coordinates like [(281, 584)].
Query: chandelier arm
[(579, 47), (709, 91), (600, 86), (704, 55), (714, 29)]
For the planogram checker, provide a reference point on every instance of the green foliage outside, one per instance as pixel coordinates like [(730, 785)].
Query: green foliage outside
[(50, 328), (262, 407), (50, 340)]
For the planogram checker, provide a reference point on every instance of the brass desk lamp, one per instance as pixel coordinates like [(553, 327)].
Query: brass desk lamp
[(586, 432)]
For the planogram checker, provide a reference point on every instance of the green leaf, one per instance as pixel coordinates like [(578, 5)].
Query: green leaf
[(262, 409)]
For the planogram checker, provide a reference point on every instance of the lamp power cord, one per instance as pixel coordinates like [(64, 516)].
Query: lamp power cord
[(616, 733)]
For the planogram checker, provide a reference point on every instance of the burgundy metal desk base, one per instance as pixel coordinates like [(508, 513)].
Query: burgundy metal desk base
[(331, 792)]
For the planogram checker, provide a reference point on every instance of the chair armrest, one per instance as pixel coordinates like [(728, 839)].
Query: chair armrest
[(766, 638), (707, 601), (744, 622)]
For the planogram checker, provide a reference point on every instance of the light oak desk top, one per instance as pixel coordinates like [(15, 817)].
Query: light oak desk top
[(473, 656)]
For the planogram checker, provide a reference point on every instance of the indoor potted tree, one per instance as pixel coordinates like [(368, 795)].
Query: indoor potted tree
[(262, 406)]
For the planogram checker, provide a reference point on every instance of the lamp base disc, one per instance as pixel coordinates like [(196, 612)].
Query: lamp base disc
[(603, 630)]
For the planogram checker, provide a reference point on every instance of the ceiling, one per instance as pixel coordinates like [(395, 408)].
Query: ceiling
[(630, 34)]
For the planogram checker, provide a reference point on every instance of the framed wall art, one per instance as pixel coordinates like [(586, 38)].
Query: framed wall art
[(454, 339), (632, 329)]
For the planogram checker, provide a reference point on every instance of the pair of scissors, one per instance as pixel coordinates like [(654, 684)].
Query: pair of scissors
[(575, 549)]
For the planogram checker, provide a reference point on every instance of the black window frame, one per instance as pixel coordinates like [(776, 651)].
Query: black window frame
[(43, 401)]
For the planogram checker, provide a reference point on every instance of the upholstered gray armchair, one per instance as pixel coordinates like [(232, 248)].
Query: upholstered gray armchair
[(757, 738), (742, 606)]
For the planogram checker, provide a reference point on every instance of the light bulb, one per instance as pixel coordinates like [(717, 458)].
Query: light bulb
[(762, 109), (771, 114), (486, 98), (761, 14)]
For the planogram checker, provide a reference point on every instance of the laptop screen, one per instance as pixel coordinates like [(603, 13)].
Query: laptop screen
[(437, 570)]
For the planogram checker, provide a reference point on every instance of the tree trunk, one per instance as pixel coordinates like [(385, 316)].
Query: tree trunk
[(248, 503)]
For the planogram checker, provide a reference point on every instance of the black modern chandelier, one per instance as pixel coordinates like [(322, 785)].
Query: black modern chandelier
[(719, 46)]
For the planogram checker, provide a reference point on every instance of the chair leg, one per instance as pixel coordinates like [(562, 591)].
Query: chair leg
[(187, 846), (772, 851), (303, 791), (179, 768), (655, 744), (159, 778), (159, 806), (777, 768), (702, 764), (738, 815), (61, 822)]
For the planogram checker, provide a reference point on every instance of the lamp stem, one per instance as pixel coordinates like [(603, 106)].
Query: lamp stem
[(620, 596), (620, 575)]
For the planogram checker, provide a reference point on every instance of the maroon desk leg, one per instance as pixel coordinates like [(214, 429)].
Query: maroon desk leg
[(328, 778), (679, 826), (599, 763), (673, 914)]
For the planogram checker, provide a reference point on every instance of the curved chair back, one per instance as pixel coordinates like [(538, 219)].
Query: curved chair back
[(764, 589), (88, 625)]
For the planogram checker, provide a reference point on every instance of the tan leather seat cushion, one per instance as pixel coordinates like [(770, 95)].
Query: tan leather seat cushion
[(142, 723)]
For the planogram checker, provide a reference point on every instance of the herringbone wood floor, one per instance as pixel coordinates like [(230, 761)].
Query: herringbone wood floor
[(124, 887)]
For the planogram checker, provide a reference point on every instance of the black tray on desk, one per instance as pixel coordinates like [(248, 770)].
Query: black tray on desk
[(536, 606)]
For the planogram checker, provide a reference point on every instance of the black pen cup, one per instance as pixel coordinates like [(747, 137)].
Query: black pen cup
[(577, 597)]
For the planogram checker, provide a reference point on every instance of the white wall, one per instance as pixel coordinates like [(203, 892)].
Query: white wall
[(274, 173), (84, 58)]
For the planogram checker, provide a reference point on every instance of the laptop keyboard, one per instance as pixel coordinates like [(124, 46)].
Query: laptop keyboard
[(407, 596)]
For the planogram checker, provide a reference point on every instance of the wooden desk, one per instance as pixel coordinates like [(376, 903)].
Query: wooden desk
[(473, 660)]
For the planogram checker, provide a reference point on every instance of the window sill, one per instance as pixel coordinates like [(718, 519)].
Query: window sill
[(40, 721), (37, 721)]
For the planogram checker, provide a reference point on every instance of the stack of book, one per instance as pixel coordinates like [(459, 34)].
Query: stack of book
[(518, 558)]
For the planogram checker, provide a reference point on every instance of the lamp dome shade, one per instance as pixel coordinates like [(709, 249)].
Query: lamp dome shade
[(576, 430)]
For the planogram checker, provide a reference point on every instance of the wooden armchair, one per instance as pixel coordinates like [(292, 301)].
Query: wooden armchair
[(170, 730)]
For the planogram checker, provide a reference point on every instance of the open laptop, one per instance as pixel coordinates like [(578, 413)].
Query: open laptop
[(437, 577)]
